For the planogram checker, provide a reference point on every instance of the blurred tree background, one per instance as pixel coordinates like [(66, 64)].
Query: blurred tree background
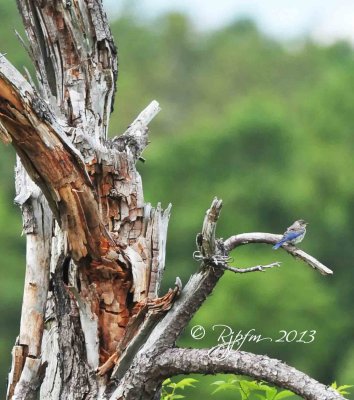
[(267, 127)]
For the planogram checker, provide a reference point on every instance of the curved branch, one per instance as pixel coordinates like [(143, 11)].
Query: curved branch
[(187, 361), (270, 238)]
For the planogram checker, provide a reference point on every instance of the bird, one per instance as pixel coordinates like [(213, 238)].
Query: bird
[(294, 234)]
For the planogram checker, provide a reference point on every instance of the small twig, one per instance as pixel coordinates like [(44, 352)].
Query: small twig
[(260, 268), (29, 78), (222, 262), (23, 43)]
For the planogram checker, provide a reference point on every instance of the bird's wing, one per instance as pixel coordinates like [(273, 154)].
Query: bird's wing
[(290, 228), (291, 235)]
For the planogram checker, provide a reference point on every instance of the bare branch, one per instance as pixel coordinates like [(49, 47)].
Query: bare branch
[(187, 361), (254, 237), (260, 268), (222, 261), (270, 238), (135, 137)]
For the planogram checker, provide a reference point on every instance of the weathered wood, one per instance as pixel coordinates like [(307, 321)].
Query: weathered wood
[(85, 202), (72, 48), (31, 379), (59, 170), (157, 225), (70, 192), (18, 362), (37, 225), (260, 367), (136, 382)]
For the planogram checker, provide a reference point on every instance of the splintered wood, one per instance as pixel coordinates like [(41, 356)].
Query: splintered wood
[(123, 280), (116, 239)]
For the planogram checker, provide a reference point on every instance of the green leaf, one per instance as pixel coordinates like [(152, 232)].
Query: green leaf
[(344, 387), (171, 385), (225, 386), (251, 385), (244, 387), (283, 395), (185, 382), (177, 396), (218, 382), (341, 389), (271, 393)]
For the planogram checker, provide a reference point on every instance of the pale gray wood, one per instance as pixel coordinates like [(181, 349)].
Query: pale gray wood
[(31, 378), (37, 225)]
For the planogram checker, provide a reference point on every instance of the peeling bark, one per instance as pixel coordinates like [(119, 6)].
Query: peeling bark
[(108, 252)]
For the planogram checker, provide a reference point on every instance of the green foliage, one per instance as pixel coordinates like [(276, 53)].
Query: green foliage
[(244, 389), (169, 388), (341, 389), (252, 389)]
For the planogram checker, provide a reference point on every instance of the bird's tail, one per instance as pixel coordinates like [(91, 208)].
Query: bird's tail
[(277, 245)]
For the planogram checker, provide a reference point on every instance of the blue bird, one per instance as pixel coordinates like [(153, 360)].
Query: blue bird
[(294, 234)]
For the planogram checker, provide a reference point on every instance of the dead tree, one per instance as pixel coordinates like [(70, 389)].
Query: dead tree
[(93, 325)]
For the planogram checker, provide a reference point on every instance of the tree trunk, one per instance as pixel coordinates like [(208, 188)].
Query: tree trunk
[(91, 274)]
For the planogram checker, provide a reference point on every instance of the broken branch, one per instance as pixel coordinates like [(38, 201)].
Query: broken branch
[(52, 162)]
